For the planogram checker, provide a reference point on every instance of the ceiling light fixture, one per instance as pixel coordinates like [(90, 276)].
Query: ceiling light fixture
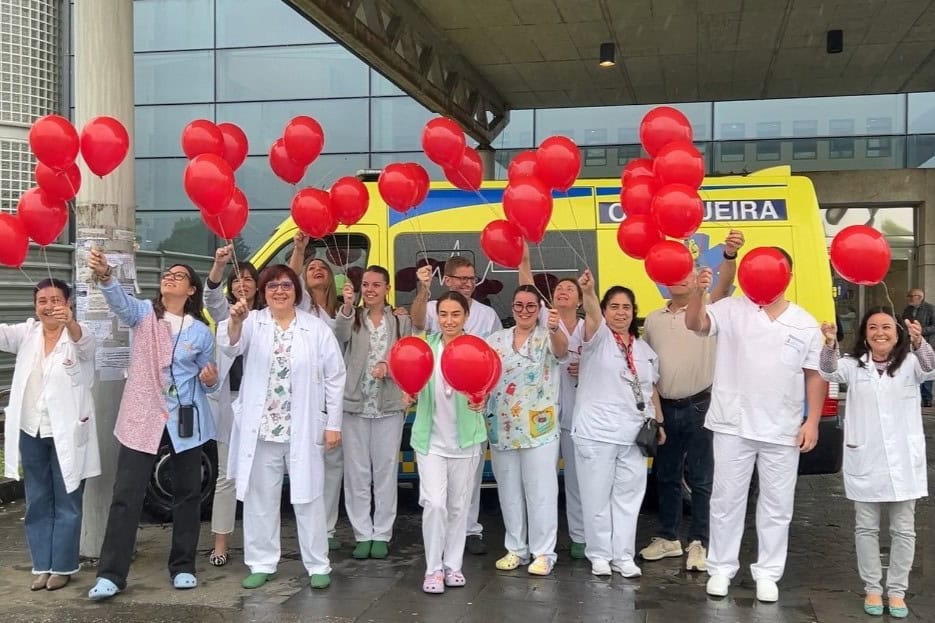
[(607, 55)]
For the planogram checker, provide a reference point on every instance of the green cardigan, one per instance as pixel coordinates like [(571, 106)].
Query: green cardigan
[(471, 427)]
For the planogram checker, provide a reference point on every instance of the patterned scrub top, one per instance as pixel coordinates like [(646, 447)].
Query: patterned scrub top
[(275, 423), (523, 407), (370, 386)]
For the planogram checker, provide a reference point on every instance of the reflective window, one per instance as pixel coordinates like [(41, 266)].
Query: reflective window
[(922, 113), (159, 185), (158, 129), (299, 72), (263, 22), (817, 154), (612, 124), (265, 191), (869, 114), (173, 24), (518, 133), (379, 85), (173, 77), (174, 231), (378, 161), (396, 124), (922, 151), (345, 122)]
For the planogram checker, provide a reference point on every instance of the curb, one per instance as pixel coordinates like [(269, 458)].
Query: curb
[(11, 490)]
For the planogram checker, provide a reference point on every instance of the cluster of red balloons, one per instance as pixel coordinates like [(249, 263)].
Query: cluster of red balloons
[(318, 212), (403, 185), (301, 143), (214, 153), (659, 196), (527, 199), (468, 364), (444, 143), (42, 211)]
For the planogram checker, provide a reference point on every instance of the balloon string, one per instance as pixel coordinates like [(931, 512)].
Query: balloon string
[(545, 297), (574, 219), (25, 274), (48, 267), (886, 291)]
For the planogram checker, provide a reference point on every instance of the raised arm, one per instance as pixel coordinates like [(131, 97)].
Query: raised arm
[(558, 341), (344, 319), (592, 307), (696, 316), (728, 268), (129, 309), (214, 295), (828, 359), (12, 336), (230, 332), (299, 243), (417, 311), (525, 275), (920, 348)]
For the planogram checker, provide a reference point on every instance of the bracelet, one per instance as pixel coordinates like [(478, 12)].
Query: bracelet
[(553, 330), (729, 257)]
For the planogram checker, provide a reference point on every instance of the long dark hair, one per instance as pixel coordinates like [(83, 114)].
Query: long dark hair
[(360, 310), (250, 269), (193, 304), (900, 351), (614, 291)]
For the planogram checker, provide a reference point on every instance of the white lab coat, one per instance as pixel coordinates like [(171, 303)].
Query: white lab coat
[(884, 444), (317, 398), (68, 375)]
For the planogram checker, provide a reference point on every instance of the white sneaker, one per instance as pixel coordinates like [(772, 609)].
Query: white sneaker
[(697, 557), (717, 585), (767, 591), (660, 548), (600, 567), (626, 568)]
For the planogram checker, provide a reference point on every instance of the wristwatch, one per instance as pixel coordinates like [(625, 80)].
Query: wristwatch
[(727, 256)]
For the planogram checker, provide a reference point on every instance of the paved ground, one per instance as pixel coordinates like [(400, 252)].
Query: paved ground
[(821, 583)]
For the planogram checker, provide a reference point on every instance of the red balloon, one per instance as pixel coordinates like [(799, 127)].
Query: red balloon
[(662, 125), (668, 262), (230, 222), (527, 203), (502, 242), (63, 184), (43, 216), (54, 141), (202, 137), (349, 199), (636, 196), (14, 243), (861, 255), (311, 211), (677, 210), (398, 186), (636, 167), (304, 140), (411, 364), (637, 235), (443, 142), (235, 144), (421, 177), (558, 162), (679, 162), (284, 168), (209, 183), (523, 165), (469, 174), (104, 144), (764, 274), (467, 364)]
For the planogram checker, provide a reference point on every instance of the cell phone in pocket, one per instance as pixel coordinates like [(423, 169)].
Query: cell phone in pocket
[(186, 421)]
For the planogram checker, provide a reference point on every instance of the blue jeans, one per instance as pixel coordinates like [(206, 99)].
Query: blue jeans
[(926, 389), (53, 516), (687, 450)]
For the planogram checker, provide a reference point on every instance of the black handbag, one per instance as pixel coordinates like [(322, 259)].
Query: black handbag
[(647, 439)]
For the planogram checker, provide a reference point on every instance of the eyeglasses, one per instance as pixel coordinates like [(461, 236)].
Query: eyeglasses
[(462, 279), (285, 286), (177, 276), (530, 307)]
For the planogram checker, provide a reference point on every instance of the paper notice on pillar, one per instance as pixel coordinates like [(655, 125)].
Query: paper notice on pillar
[(112, 362)]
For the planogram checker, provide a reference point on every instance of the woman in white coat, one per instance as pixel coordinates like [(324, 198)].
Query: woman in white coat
[(50, 427), (284, 420), (884, 444)]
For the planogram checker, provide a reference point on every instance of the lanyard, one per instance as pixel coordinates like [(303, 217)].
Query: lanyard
[(626, 347)]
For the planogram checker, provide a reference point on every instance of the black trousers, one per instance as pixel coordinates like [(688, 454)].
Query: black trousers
[(133, 472)]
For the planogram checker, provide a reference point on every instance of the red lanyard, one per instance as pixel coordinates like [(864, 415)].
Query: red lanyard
[(626, 347)]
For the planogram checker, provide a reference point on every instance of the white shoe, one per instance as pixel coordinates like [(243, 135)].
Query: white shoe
[(767, 591), (697, 556), (600, 567), (626, 568), (717, 585)]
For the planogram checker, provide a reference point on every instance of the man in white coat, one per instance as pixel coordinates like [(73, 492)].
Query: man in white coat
[(756, 417)]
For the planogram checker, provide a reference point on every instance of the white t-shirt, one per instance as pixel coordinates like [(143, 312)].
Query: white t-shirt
[(759, 378), (176, 322), (569, 384), (606, 408), (34, 420), (482, 321), (443, 440)]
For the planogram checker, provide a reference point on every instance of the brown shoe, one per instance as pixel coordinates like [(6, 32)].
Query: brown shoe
[(57, 581), (39, 582)]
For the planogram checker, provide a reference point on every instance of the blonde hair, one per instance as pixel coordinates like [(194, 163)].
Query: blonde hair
[(330, 289)]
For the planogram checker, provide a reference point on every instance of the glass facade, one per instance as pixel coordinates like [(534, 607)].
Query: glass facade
[(208, 59)]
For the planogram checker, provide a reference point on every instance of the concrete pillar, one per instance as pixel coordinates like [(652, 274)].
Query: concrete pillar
[(104, 214), (486, 153)]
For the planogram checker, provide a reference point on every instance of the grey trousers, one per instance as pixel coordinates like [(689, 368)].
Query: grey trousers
[(902, 545)]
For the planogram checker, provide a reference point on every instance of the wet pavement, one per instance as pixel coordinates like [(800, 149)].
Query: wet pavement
[(820, 584)]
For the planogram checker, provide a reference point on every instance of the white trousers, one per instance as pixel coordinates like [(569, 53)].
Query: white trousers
[(474, 527), (261, 516), (573, 513), (444, 494), (777, 468), (224, 506), (527, 483), (902, 545), (612, 481), (334, 474), (371, 458)]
